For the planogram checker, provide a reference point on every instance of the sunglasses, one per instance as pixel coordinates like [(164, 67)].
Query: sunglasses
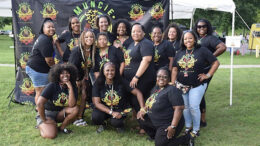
[(201, 26), (163, 77)]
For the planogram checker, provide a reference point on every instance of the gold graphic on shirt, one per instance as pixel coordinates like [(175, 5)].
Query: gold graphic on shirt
[(111, 98), (102, 62), (62, 100), (73, 43), (150, 101), (187, 61), (156, 56), (25, 12), (127, 57)]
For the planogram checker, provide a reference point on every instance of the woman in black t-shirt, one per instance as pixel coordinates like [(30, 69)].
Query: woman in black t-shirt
[(173, 34), (163, 50), (57, 102), (82, 57), (122, 29), (109, 97), (204, 30), (188, 73), (139, 63), (70, 37), (103, 22), (107, 53), (162, 116), (41, 58)]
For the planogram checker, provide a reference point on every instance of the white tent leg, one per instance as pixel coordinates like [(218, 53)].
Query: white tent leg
[(191, 20), (231, 62)]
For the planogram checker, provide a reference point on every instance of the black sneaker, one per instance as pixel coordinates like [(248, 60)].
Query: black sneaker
[(120, 130), (100, 129), (65, 131), (203, 124), (192, 139)]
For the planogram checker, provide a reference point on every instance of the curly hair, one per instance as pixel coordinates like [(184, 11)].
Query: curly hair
[(173, 25), (103, 16), (70, 19), (127, 25), (101, 78), (56, 70), (93, 47), (208, 24), (196, 45)]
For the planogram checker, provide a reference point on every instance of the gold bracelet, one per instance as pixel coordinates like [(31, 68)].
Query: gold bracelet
[(143, 110)]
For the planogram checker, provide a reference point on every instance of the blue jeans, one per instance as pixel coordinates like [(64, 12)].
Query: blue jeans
[(191, 111), (38, 79)]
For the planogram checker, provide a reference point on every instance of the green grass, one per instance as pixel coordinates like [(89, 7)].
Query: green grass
[(239, 60), (236, 125), (6, 53)]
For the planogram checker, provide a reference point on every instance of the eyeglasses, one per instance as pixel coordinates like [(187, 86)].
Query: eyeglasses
[(163, 77), (201, 26)]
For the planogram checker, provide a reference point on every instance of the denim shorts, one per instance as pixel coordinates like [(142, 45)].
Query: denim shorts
[(50, 114), (38, 79)]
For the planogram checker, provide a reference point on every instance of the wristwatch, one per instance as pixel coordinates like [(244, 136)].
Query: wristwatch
[(173, 127), (110, 112), (208, 75), (137, 77)]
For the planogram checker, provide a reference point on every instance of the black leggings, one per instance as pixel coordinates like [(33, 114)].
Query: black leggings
[(203, 101), (160, 135), (98, 118)]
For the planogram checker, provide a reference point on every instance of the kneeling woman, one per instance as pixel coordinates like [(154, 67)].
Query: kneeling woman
[(163, 121), (108, 96), (57, 102)]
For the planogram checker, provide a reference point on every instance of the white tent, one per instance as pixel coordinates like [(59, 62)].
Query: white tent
[(185, 9), (5, 8)]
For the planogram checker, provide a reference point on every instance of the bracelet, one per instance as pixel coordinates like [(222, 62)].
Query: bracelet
[(173, 127), (137, 77), (208, 75), (110, 112), (143, 110)]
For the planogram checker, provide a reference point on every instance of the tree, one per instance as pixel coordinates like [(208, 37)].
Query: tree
[(5, 21)]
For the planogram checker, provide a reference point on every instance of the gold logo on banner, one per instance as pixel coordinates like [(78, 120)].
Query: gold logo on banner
[(27, 87), (24, 58), (157, 11), (49, 11), (25, 12), (26, 36), (136, 12)]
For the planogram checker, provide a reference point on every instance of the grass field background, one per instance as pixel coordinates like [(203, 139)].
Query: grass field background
[(236, 125)]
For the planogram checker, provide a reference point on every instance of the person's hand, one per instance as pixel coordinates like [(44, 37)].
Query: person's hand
[(133, 83), (140, 115), (202, 77), (68, 84), (116, 115), (170, 132)]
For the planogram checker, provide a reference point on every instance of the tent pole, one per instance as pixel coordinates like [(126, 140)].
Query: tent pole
[(231, 62), (191, 20)]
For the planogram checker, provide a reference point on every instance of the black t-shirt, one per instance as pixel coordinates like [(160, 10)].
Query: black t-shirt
[(176, 46), (81, 64), (160, 104), (71, 40), (58, 97), (119, 92), (111, 37), (114, 55), (162, 53), (42, 48), (210, 42), (191, 64), (133, 57)]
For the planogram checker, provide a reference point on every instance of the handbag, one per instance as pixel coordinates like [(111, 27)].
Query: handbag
[(183, 88)]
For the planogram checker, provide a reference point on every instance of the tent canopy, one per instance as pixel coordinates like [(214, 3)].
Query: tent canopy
[(184, 9), (5, 8)]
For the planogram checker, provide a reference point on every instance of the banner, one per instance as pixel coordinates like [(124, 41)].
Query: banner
[(28, 16)]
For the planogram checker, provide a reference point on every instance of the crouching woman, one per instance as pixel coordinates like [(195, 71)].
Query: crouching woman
[(57, 102)]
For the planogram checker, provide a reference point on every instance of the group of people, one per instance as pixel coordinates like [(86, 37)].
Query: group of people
[(163, 80)]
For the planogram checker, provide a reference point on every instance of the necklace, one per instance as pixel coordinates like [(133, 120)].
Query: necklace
[(200, 40), (111, 88), (186, 59)]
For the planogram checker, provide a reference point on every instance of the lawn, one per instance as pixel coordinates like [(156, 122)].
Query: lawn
[(6, 53), (236, 125)]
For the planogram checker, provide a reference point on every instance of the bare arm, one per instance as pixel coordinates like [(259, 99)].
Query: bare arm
[(139, 96), (212, 70), (40, 106), (220, 49), (142, 68), (72, 100), (49, 61), (170, 63), (122, 66), (174, 74), (58, 46)]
